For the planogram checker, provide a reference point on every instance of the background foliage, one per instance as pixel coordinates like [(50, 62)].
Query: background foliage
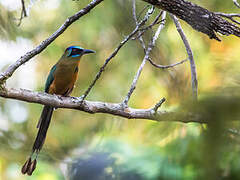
[(107, 147)]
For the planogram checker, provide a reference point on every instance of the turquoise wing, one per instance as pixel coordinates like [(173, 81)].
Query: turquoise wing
[(50, 78)]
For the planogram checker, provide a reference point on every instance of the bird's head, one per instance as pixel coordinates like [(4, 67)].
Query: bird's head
[(76, 51)]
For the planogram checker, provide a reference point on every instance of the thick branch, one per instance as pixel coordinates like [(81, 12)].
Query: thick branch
[(11, 69), (97, 107), (198, 17)]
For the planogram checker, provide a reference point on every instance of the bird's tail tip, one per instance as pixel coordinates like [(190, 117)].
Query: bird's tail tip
[(29, 166)]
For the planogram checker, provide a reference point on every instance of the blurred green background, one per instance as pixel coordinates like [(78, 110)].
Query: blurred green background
[(86, 146)]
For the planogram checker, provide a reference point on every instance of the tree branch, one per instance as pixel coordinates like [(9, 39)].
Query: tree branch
[(146, 57), (167, 66), (98, 107), (23, 59), (23, 12), (126, 39), (236, 3), (190, 56), (198, 17)]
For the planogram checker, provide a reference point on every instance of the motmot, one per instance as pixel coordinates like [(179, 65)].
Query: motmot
[(60, 81)]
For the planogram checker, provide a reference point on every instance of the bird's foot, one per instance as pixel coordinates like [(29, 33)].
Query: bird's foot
[(77, 99)]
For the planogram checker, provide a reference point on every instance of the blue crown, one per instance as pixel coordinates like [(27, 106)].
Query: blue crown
[(72, 47)]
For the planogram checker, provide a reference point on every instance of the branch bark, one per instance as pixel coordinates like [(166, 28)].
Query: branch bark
[(98, 107), (198, 17)]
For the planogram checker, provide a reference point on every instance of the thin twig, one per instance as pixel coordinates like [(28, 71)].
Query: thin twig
[(167, 66), (236, 3), (158, 105), (155, 22), (149, 49), (190, 55), (23, 59), (141, 12), (108, 60), (140, 38), (115, 52), (230, 16), (23, 13)]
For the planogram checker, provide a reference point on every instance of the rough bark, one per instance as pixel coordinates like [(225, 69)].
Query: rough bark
[(198, 17)]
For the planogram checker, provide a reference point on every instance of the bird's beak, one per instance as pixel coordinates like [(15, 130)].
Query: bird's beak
[(87, 51)]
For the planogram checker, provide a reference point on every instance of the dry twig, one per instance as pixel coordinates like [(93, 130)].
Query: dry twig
[(23, 12), (146, 57), (236, 3), (190, 56), (138, 26), (167, 66)]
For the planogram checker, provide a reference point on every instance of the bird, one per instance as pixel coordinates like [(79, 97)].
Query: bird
[(60, 81)]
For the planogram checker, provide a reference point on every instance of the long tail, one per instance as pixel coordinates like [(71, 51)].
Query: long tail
[(43, 125)]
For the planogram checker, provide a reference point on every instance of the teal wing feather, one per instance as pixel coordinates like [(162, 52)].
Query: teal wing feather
[(50, 78)]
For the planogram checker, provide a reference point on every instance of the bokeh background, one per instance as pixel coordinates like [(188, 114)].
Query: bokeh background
[(101, 146)]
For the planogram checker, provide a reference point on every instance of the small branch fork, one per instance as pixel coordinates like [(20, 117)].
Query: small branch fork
[(147, 53), (140, 38), (23, 12), (146, 57), (127, 38)]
